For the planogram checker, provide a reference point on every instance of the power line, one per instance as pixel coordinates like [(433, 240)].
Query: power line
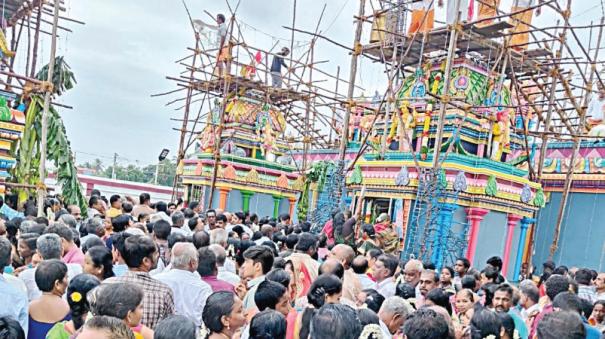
[(346, 2)]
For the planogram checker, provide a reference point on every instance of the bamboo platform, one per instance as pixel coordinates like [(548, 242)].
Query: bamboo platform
[(277, 96), (481, 40)]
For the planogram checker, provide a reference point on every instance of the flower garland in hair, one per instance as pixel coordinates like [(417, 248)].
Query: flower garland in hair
[(203, 332), (371, 331)]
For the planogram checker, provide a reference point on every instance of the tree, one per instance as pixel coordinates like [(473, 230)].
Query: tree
[(167, 171), (58, 147), (96, 165)]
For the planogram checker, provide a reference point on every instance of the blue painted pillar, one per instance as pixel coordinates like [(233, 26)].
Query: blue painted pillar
[(444, 222), (525, 223)]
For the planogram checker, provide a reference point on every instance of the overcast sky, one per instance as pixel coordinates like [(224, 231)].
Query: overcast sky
[(127, 47)]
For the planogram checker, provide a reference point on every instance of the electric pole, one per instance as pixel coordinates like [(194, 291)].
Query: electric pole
[(115, 163)]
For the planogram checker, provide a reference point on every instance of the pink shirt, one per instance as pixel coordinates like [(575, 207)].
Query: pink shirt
[(218, 285), (74, 256)]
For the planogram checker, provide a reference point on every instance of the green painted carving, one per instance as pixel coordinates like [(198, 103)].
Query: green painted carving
[(357, 177), (539, 199), (5, 112), (491, 189)]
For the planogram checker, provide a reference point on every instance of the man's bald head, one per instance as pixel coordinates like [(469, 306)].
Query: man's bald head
[(344, 254), (360, 264), (332, 266), (220, 253), (184, 256)]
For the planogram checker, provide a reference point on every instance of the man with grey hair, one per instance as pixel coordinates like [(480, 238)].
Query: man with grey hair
[(267, 231), (68, 220), (219, 236), (223, 273), (94, 228), (14, 298), (178, 222), (529, 297), (48, 246), (26, 226), (392, 315), (411, 274), (190, 292)]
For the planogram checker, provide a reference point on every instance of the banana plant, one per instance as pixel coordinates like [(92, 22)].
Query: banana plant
[(58, 150)]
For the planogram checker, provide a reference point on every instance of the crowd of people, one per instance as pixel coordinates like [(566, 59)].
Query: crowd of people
[(142, 270)]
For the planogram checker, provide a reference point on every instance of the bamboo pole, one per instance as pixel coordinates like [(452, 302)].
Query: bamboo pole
[(219, 130), (44, 132), (36, 42), (551, 99), (307, 137), (291, 40), (181, 152), (576, 150), (352, 75), (333, 121), (446, 85)]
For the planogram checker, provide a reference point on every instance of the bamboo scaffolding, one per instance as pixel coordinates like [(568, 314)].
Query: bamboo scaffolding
[(46, 107), (576, 149)]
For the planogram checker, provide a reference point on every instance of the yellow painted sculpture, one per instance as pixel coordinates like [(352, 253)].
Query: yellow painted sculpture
[(500, 134), (268, 143), (4, 46)]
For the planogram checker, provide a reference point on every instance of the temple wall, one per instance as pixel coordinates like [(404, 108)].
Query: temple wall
[(582, 237), (234, 203), (491, 240)]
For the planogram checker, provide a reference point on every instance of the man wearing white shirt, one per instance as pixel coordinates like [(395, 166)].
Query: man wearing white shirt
[(360, 267), (384, 269), (223, 273), (530, 296), (411, 275), (48, 247), (178, 222), (596, 108), (258, 261), (392, 315), (237, 219), (219, 236), (190, 292), (267, 231), (13, 296)]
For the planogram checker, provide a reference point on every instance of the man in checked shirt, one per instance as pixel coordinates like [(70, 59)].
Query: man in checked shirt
[(141, 256)]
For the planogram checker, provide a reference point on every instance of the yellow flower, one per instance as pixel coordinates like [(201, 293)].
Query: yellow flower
[(76, 297)]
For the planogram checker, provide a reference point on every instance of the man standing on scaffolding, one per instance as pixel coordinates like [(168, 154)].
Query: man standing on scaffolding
[(223, 55), (278, 62)]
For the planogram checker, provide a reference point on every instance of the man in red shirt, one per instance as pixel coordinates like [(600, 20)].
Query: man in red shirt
[(554, 285)]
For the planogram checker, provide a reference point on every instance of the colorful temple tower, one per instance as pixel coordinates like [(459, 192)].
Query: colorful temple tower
[(476, 195), (12, 121), (255, 171), (477, 199)]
